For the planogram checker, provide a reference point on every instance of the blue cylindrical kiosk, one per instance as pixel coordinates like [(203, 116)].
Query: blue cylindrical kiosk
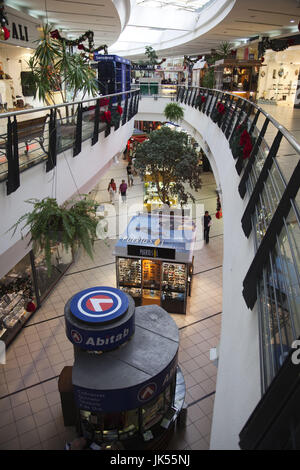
[(126, 383)]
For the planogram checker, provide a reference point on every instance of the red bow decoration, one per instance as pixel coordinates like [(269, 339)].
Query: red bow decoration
[(107, 116), (55, 34), (247, 149), (220, 108), (6, 33), (246, 143), (120, 110), (104, 101)]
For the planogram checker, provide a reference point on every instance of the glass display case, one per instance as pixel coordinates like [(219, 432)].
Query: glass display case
[(17, 298), (155, 282)]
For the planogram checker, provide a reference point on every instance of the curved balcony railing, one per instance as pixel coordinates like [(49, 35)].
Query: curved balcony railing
[(270, 178), (30, 137)]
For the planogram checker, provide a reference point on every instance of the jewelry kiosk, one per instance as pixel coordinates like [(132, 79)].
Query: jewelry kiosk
[(154, 260)]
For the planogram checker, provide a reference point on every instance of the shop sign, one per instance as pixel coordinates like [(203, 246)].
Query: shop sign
[(99, 304), (125, 398), (151, 252), (23, 31), (142, 67), (101, 340)]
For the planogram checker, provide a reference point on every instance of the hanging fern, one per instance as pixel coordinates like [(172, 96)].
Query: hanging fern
[(173, 112), (50, 224)]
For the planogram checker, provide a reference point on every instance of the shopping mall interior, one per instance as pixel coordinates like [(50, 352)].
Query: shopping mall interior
[(150, 225)]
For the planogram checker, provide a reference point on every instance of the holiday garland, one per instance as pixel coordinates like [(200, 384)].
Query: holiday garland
[(88, 35)]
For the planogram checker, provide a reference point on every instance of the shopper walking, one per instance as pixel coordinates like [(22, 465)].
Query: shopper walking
[(112, 189), (207, 225), (129, 175), (122, 190)]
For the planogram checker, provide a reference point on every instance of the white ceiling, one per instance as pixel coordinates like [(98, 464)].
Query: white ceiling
[(164, 28), (74, 17)]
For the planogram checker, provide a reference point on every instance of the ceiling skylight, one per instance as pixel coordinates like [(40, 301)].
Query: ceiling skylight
[(187, 5)]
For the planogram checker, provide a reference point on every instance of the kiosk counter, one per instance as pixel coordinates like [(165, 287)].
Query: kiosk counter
[(154, 260)]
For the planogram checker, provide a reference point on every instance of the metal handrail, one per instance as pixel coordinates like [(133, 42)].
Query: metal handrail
[(290, 138), (63, 105)]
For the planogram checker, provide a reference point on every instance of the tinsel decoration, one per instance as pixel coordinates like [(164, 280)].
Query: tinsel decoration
[(88, 35)]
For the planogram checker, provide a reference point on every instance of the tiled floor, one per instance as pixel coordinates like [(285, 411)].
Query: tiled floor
[(30, 411)]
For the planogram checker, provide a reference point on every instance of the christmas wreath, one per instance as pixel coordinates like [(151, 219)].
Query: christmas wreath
[(200, 100), (242, 142), (218, 112)]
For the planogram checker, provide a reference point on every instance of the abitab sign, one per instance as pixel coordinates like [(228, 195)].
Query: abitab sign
[(99, 319)]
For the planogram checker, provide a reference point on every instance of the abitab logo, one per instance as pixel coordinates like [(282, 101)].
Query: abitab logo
[(2, 352)]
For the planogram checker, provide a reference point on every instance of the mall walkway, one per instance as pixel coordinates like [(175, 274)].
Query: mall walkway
[(31, 416)]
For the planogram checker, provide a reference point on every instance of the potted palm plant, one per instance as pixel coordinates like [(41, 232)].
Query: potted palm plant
[(73, 224), (56, 70)]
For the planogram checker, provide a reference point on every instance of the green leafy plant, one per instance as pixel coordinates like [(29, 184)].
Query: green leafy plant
[(172, 162), (73, 224), (55, 69), (173, 112), (224, 49), (151, 54)]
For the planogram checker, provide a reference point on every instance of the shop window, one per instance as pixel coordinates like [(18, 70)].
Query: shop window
[(60, 261), (153, 412), (18, 300)]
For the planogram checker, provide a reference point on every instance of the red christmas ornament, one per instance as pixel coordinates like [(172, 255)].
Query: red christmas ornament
[(203, 99), (220, 108), (30, 307), (120, 110), (80, 46)]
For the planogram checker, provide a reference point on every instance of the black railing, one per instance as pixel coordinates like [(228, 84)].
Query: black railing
[(38, 135), (271, 185)]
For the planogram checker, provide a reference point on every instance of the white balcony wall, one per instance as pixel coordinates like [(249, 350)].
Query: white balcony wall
[(238, 380), (87, 167)]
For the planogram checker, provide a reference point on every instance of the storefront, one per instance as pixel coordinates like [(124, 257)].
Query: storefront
[(119, 391), (23, 289), (15, 52), (278, 79), (154, 260), (238, 76)]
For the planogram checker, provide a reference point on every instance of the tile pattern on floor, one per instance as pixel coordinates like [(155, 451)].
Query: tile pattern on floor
[(30, 410)]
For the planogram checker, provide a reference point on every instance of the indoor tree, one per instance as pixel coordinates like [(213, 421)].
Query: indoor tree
[(172, 162)]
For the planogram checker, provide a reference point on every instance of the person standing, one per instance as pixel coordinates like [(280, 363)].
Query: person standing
[(122, 190), (207, 225), (129, 175), (112, 189)]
